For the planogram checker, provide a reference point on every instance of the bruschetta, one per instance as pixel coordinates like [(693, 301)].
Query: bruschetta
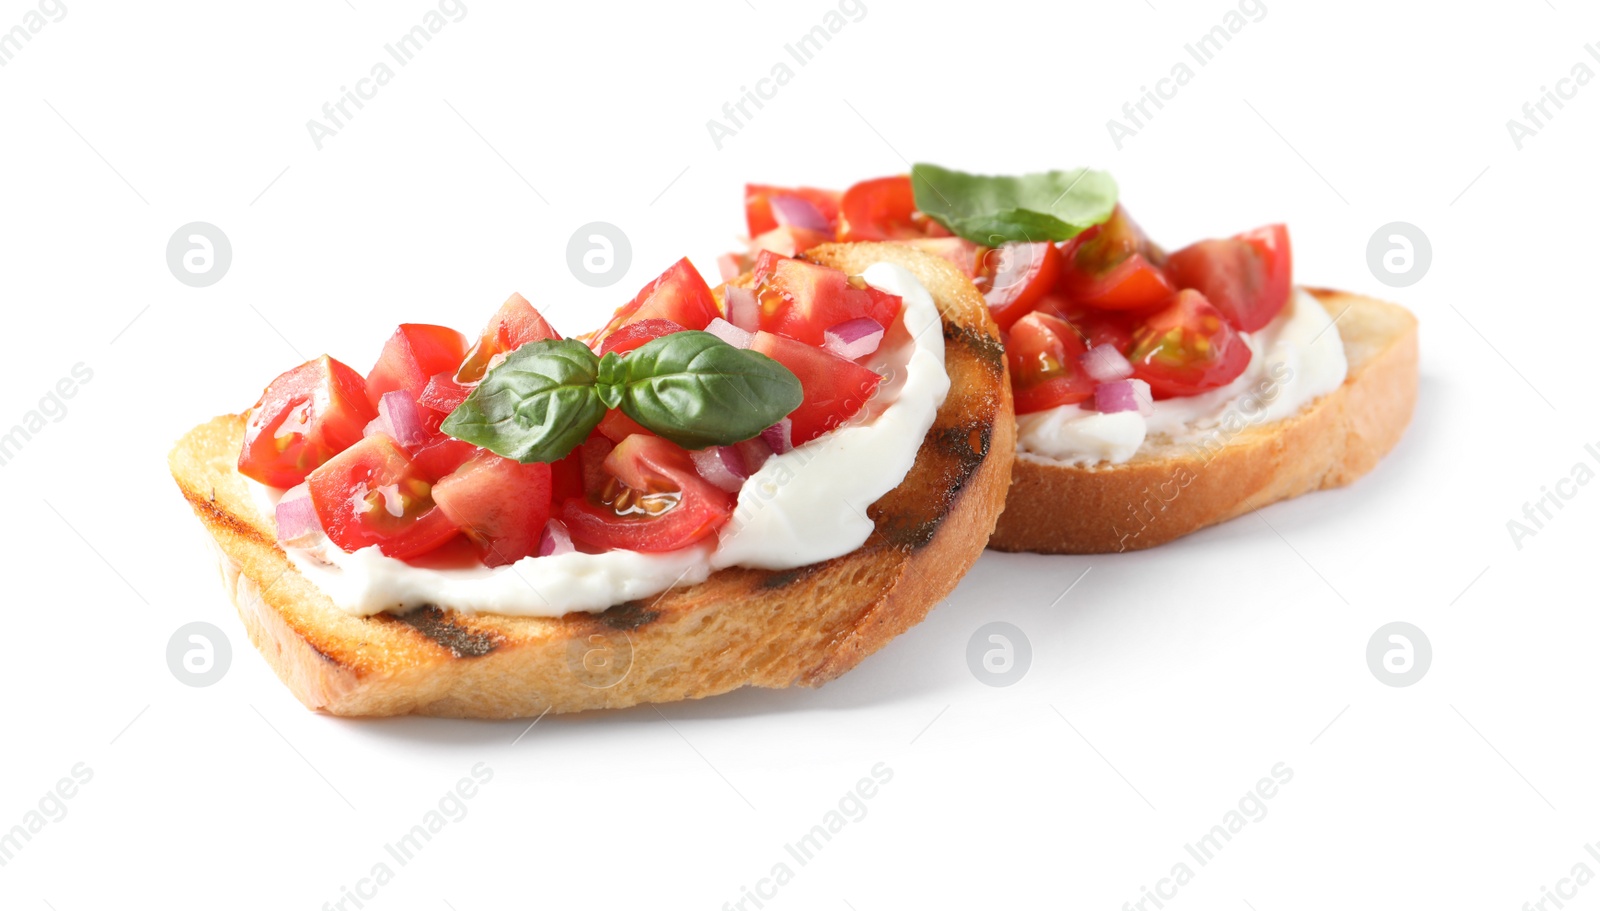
[(755, 485), (1155, 393)]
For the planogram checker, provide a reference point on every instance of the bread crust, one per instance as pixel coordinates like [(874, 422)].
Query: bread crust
[(1167, 491), (738, 628)]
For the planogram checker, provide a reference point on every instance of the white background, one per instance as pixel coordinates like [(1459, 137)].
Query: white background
[(1162, 687)]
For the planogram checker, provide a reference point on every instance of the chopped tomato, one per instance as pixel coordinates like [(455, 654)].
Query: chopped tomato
[(592, 459), (442, 455), (515, 324), (412, 356), (1043, 352), (443, 394), (958, 251), (1246, 277), (372, 494), (1014, 277), (500, 505), (834, 389), (566, 477), (802, 300), (884, 209), (1094, 326), (616, 426), (1187, 348), (678, 294), (649, 499), (637, 334), (1114, 266), (304, 418), (758, 205), (788, 241)]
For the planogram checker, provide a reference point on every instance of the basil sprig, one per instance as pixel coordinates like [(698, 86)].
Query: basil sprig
[(1055, 205), (691, 388)]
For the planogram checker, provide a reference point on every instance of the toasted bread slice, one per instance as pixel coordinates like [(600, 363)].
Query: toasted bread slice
[(738, 628), (1168, 490)]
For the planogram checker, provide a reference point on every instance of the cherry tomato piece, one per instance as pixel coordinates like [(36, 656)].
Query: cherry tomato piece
[(1043, 351), (373, 495), (1187, 348), (1246, 277), (304, 418), (648, 498), (1113, 266)]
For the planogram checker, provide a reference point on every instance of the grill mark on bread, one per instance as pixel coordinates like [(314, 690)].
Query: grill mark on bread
[(628, 616), (325, 656), (216, 515), (783, 578), (908, 533), (443, 630), (986, 348), (967, 443)]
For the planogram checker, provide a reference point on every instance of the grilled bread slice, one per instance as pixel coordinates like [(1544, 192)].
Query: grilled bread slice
[(1168, 490), (738, 628)]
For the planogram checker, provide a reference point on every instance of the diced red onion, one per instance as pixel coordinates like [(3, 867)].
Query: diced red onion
[(400, 410), (730, 333), (734, 459), (730, 266), (1147, 401), (556, 540), (853, 338), (722, 466), (1105, 364), (753, 454), (779, 436), (1124, 395), (297, 518), (797, 213), (744, 310)]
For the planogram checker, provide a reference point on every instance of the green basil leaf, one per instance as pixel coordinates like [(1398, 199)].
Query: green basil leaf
[(608, 382), (1055, 205), (696, 390), (536, 406)]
